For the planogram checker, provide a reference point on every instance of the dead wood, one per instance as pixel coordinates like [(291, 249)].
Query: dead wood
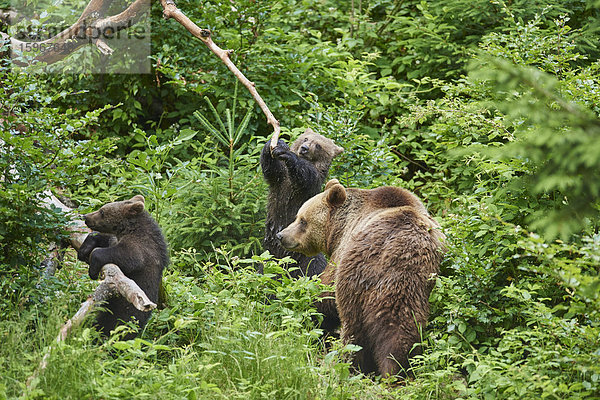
[(170, 10), (114, 283), (89, 28), (77, 229)]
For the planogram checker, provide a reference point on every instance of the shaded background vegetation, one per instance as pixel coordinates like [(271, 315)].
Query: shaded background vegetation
[(487, 110)]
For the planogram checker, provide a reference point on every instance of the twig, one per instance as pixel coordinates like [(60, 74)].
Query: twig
[(410, 160), (170, 10)]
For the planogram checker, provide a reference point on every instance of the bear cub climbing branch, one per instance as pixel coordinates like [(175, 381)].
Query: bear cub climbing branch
[(126, 235), (294, 175), (384, 250)]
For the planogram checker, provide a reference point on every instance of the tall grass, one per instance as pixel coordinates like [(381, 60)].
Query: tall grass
[(233, 334)]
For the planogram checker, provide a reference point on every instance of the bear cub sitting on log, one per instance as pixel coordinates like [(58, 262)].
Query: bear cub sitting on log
[(295, 175), (384, 249), (126, 235)]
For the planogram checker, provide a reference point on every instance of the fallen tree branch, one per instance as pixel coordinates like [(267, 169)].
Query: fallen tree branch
[(55, 258), (77, 229), (170, 10), (114, 283), (89, 28)]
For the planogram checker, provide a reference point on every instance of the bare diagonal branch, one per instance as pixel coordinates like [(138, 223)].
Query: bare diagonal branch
[(170, 10)]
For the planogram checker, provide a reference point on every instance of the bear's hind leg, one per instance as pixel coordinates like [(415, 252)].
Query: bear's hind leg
[(391, 355), (363, 360), (389, 367)]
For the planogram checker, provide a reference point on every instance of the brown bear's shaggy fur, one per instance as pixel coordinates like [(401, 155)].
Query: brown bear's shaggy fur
[(130, 238), (385, 249), (295, 175)]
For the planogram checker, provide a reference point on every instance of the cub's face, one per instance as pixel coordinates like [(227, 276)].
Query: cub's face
[(308, 233), (112, 216), (314, 147)]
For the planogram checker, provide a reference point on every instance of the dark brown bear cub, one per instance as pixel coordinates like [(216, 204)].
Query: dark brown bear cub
[(295, 175), (126, 235), (384, 250)]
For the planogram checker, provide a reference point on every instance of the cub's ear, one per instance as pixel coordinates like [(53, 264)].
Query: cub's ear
[(138, 197), (134, 208), (336, 195), (331, 182), (337, 150)]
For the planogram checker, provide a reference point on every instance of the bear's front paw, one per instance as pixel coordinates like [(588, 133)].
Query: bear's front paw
[(89, 244), (281, 151), (95, 267), (282, 144), (93, 272)]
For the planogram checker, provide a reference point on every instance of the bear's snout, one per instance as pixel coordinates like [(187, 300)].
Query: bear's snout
[(86, 219), (91, 220), (304, 149), (286, 241)]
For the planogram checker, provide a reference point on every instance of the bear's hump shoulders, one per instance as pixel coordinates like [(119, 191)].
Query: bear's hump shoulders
[(393, 196)]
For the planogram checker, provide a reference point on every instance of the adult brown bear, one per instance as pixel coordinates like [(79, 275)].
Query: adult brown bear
[(386, 250), (126, 235)]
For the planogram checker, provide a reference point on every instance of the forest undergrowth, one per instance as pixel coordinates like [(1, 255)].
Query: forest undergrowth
[(488, 111)]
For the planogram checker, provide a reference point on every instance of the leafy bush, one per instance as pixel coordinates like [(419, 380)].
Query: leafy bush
[(510, 321), (512, 314), (365, 161), (487, 110), (39, 150)]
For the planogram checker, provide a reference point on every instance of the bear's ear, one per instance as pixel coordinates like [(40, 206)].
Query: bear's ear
[(337, 150), (309, 131), (134, 208), (331, 182), (138, 197), (336, 194)]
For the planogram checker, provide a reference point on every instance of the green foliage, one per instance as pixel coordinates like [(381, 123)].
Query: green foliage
[(514, 319), (235, 334), (518, 134), (40, 149), (558, 141), (219, 197), (366, 161), (151, 162)]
